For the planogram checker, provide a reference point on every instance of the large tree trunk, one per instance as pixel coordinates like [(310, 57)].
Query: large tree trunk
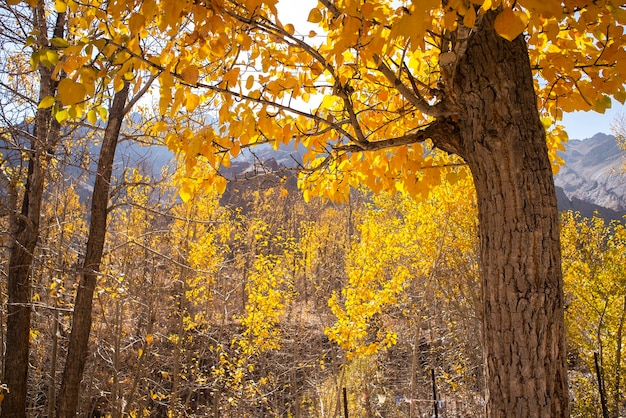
[(78, 348), (501, 138)]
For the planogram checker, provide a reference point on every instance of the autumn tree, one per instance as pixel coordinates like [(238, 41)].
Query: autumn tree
[(393, 80), (593, 268), (39, 134), (412, 270)]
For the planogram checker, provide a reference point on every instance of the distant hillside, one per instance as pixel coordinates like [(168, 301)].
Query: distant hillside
[(592, 178), (586, 209), (590, 182)]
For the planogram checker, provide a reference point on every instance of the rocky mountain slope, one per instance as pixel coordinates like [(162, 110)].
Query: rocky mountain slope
[(593, 177)]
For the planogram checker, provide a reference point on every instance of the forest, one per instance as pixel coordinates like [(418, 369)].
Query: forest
[(410, 261), (262, 304)]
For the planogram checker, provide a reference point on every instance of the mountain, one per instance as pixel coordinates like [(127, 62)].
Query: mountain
[(592, 178), (79, 159), (591, 181), (264, 159)]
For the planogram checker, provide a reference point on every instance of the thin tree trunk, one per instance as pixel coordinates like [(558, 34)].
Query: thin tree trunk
[(25, 233), (139, 369), (414, 363), (116, 395), (618, 362), (78, 348), (52, 392), (499, 134), (601, 390)]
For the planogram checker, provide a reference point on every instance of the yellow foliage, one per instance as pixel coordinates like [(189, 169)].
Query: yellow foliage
[(71, 92), (594, 272), (255, 73), (399, 240), (510, 24)]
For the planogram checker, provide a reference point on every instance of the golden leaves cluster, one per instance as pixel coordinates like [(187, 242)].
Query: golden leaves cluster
[(401, 243), (260, 80)]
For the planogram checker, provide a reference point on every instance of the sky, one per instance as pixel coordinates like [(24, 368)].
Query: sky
[(583, 125)]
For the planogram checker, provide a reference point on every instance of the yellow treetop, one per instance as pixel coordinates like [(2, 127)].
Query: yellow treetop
[(373, 77)]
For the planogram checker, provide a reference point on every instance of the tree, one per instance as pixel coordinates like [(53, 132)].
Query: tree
[(459, 74), (594, 256), (42, 139), (413, 278)]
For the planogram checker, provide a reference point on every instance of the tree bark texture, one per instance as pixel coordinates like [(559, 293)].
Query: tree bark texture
[(78, 348), (25, 234), (499, 134)]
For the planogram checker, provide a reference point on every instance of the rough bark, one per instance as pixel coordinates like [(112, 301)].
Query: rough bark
[(25, 234), (499, 134), (78, 348)]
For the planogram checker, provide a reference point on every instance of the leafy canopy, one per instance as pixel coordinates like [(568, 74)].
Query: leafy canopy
[(369, 79)]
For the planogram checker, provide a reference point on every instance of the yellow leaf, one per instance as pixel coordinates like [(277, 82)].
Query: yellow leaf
[(59, 43), (232, 76), (290, 29), (220, 184), (249, 82), (92, 117), (60, 6), (235, 149), (13, 2), (190, 74), (149, 338), (61, 116), (103, 112), (48, 57), (185, 193), (315, 16), (118, 83), (136, 23), (191, 101), (470, 18), (46, 102), (449, 20), (71, 92), (546, 8), (367, 9), (510, 24)]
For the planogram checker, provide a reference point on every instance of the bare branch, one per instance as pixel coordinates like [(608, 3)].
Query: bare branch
[(442, 132), (331, 7), (140, 93), (436, 110)]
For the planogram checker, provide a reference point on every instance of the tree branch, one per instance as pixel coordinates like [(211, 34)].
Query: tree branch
[(436, 110), (331, 7), (443, 133), (140, 93)]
